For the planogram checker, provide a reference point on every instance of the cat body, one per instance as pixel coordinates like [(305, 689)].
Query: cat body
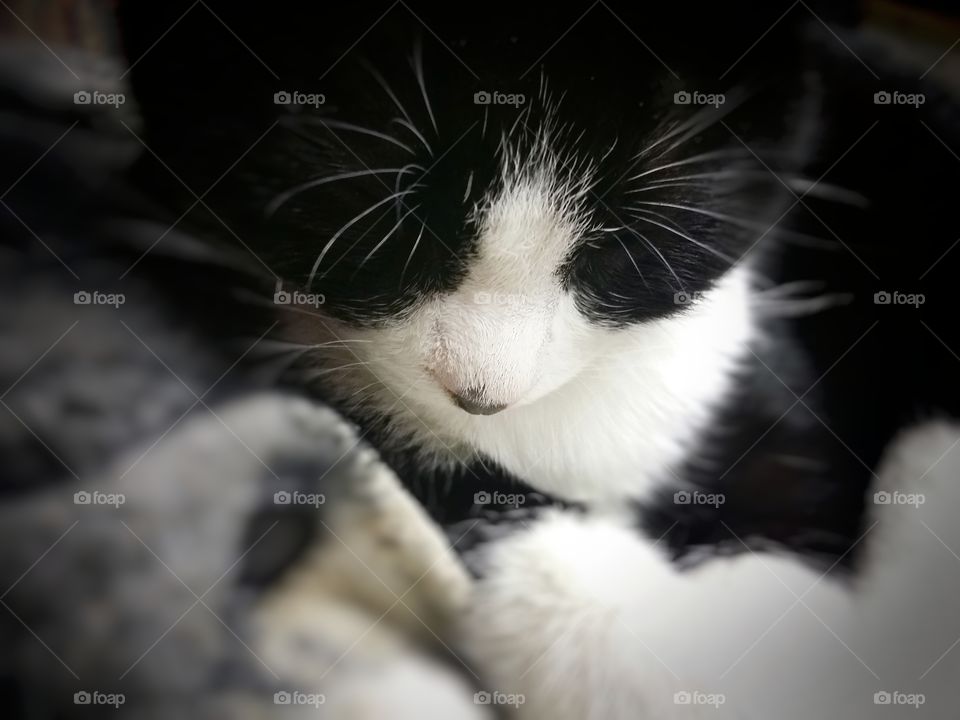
[(639, 330)]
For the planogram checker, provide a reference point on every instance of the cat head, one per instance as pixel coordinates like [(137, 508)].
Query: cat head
[(485, 208)]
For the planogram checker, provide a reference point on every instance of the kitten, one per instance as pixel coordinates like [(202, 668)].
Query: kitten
[(615, 291)]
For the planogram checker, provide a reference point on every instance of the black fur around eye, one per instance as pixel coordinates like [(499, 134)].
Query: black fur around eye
[(623, 278)]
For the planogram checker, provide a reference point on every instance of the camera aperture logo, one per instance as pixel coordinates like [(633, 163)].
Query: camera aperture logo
[(696, 497), (96, 497), (499, 498), (495, 97), (499, 698), (296, 497), (697, 697), (695, 97), (895, 497), (895, 697), (95, 297), (296, 697), (687, 298), (95, 697), (295, 97), (886, 97), (297, 297), (95, 97)]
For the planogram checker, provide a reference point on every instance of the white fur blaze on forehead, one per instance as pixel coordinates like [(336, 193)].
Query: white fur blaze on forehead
[(527, 224), (525, 235)]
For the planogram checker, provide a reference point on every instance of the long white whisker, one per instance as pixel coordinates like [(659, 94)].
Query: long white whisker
[(695, 124), (659, 186), (607, 153), (292, 346), (283, 197), (826, 191), (326, 248), (794, 182), (318, 373), (740, 222), (386, 88), (778, 300), (387, 236), (423, 225), (634, 263), (715, 155), (708, 213), (686, 237), (396, 186), (676, 130), (339, 124), (721, 174), (659, 255), (782, 232), (409, 126), (665, 218), (713, 116), (418, 71), (296, 351), (368, 385)]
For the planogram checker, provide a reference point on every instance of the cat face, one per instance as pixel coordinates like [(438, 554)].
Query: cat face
[(499, 259), (490, 219)]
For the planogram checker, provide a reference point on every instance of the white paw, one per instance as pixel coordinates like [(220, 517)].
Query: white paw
[(550, 622)]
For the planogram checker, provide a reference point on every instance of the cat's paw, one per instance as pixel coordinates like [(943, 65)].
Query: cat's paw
[(545, 626)]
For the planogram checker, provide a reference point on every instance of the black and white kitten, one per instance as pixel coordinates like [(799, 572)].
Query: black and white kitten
[(635, 294)]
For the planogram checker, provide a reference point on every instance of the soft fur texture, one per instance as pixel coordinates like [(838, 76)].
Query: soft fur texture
[(602, 352), (586, 620)]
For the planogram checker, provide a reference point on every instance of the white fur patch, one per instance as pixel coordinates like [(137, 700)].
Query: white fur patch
[(595, 413), (587, 620)]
